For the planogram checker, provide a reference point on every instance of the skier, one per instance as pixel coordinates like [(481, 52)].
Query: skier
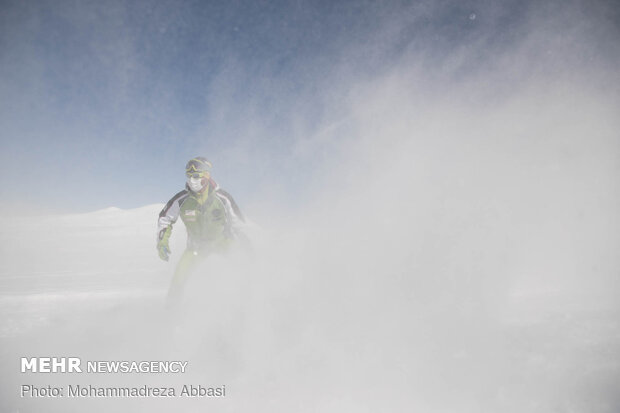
[(211, 218)]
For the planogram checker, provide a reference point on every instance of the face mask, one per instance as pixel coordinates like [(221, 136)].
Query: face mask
[(195, 184)]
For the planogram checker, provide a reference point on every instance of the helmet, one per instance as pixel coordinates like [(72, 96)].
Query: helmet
[(198, 165), (198, 171)]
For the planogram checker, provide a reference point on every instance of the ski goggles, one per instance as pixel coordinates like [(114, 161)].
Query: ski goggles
[(197, 175), (198, 165)]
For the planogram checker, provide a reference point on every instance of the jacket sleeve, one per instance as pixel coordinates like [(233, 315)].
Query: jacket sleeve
[(169, 215), (232, 210)]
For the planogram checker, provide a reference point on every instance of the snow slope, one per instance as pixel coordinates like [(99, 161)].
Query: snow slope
[(287, 332)]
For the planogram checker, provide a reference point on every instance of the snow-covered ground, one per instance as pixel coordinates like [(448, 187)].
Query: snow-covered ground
[(290, 327)]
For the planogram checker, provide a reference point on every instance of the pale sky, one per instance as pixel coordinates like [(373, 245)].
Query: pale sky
[(103, 102)]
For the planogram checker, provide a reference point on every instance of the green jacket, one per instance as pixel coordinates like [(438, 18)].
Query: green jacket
[(208, 217)]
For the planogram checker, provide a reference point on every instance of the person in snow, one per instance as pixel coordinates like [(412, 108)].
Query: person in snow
[(211, 218)]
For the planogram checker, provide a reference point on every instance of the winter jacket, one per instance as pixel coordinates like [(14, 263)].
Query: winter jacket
[(209, 217)]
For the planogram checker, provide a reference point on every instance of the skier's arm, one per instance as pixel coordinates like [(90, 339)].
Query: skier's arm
[(232, 210), (167, 217), (220, 226)]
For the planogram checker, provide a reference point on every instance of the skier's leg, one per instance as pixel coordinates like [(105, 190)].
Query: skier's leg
[(184, 268)]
